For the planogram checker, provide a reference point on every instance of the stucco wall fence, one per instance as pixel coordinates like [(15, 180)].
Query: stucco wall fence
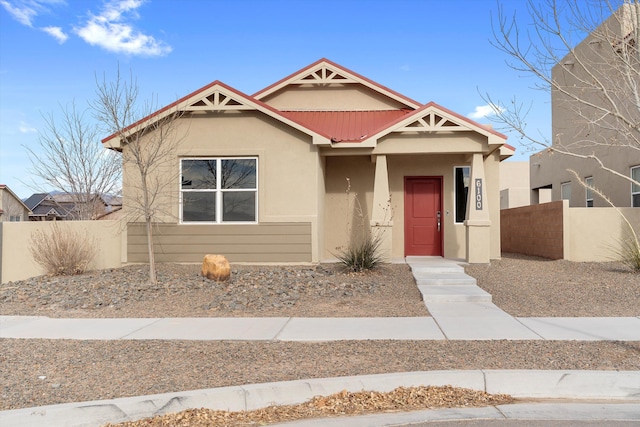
[(17, 263), (555, 231)]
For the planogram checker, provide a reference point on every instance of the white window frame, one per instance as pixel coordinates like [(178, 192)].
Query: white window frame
[(563, 195), (589, 191), (219, 191), (635, 189), (455, 195)]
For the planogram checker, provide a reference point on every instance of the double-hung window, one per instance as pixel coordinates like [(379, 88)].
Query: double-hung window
[(461, 180), (589, 191), (635, 188), (565, 190), (219, 190)]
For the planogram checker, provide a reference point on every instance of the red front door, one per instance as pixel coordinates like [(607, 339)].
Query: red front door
[(422, 216)]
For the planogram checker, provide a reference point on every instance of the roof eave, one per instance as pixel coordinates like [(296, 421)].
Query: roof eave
[(114, 141)]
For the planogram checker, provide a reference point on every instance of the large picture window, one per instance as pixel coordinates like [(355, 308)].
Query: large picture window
[(219, 190), (461, 178)]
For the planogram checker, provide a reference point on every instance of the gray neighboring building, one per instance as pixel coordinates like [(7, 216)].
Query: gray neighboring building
[(44, 207), (593, 73)]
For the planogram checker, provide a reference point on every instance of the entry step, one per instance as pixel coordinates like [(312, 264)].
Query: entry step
[(453, 293), (437, 269), (432, 279)]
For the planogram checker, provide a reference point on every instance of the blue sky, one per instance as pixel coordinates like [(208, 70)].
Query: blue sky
[(428, 50)]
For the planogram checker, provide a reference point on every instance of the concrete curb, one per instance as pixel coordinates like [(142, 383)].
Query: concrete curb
[(590, 412), (608, 385)]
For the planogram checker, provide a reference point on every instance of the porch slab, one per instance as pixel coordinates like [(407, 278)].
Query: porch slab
[(585, 328), (431, 279), (453, 293), (360, 328), (478, 321)]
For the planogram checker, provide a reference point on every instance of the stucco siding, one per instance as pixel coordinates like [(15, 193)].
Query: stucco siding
[(343, 223), (15, 242), (289, 173), (333, 97), (274, 242), (12, 207), (553, 169), (287, 162), (555, 231)]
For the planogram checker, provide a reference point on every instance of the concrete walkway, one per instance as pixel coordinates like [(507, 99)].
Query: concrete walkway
[(459, 310)]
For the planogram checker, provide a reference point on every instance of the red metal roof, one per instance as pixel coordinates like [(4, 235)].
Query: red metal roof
[(346, 126)]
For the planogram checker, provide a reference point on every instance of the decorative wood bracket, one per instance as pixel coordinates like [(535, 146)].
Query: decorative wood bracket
[(323, 75), (217, 101), (432, 122)]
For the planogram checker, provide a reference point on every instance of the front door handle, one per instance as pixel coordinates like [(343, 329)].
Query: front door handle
[(438, 221)]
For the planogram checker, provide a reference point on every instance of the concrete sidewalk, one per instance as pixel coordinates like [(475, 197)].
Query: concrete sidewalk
[(460, 311), (621, 389), (453, 321)]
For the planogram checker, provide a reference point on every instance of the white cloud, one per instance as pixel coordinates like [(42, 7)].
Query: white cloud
[(111, 31), (483, 111), (24, 127), (57, 33), (24, 11)]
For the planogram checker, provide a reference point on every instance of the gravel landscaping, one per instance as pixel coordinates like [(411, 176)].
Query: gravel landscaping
[(534, 287), (326, 290), (41, 372)]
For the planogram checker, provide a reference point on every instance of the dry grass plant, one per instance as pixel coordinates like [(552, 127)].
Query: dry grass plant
[(62, 250), (629, 253)]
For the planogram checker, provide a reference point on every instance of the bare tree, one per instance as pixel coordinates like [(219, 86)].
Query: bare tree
[(148, 140), (72, 160), (597, 81)]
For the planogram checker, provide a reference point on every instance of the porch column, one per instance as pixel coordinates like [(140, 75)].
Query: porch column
[(381, 215), (478, 222)]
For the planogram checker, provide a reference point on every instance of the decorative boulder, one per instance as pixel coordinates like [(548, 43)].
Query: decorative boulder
[(216, 267)]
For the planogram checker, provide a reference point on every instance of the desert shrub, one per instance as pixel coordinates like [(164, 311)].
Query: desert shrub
[(629, 253), (62, 250), (362, 255)]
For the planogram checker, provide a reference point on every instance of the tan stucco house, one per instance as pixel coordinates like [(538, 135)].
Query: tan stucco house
[(264, 177), (12, 208), (595, 112)]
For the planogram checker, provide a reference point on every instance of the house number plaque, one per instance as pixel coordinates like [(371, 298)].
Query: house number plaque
[(478, 194)]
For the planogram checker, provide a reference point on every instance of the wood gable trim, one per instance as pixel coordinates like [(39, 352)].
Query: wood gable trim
[(324, 71), (215, 97), (434, 118)]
